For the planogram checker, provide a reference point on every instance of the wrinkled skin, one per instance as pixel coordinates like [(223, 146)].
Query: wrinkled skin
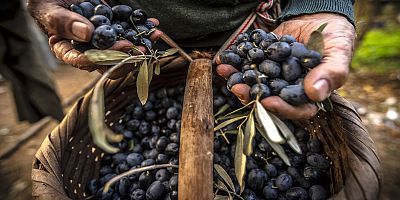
[(63, 25), (339, 36)]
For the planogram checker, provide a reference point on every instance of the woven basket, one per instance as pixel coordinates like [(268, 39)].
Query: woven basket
[(68, 159)]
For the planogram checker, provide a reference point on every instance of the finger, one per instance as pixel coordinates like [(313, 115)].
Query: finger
[(332, 73), (156, 35), (58, 20), (122, 45), (278, 106), (225, 70), (155, 21), (242, 92), (64, 51)]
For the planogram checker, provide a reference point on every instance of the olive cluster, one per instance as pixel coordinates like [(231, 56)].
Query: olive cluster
[(151, 136), (271, 66), (113, 23)]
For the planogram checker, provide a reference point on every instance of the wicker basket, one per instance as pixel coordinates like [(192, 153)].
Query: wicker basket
[(68, 159)]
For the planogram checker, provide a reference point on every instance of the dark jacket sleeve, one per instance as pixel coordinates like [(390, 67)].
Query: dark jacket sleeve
[(292, 8)]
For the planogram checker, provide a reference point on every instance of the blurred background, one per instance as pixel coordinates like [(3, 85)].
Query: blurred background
[(373, 88)]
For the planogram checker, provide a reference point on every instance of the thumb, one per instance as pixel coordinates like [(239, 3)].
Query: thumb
[(59, 21), (328, 76)]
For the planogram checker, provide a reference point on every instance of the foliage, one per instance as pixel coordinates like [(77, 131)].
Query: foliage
[(379, 51)]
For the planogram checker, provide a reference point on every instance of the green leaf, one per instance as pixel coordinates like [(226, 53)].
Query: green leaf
[(276, 147), (224, 175), (328, 104), (320, 106), (227, 122), (240, 160), (167, 52), (250, 132), (287, 133), (322, 27), (223, 187), (142, 83), (231, 116), (267, 124), (96, 55), (151, 71), (221, 197), (157, 67), (316, 42), (222, 109)]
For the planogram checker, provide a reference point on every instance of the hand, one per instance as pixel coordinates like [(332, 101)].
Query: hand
[(339, 36), (63, 25)]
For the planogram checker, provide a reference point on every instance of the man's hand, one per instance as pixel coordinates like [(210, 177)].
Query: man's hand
[(339, 36), (63, 25)]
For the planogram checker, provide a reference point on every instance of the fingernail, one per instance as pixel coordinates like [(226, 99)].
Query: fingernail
[(81, 31), (322, 86)]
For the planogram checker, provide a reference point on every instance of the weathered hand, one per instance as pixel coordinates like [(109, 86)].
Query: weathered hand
[(62, 26), (339, 36)]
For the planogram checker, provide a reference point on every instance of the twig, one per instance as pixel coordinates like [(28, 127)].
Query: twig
[(171, 43), (225, 190), (134, 171)]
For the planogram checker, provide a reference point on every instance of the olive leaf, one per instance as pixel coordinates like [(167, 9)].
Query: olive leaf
[(240, 160), (99, 130), (320, 106), (224, 187), (221, 197), (316, 41), (287, 133), (250, 132), (222, 109), (322, 27), (327, 103), (227, 122), (151, 70), (142, 83), (267, 124), (276, 147), (224, 175), (168, 52), (230, 116), (157, 67)]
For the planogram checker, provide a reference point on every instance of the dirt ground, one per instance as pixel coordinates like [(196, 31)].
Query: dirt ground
[(372, 94)]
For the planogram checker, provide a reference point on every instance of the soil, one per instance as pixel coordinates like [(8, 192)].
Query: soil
[(373, 94)]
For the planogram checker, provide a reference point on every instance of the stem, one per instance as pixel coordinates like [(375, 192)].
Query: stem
[(171, 43), (134, 171), (223, 189)]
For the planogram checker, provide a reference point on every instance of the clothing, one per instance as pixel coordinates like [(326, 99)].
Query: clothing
[(208, 23), (23, 64)]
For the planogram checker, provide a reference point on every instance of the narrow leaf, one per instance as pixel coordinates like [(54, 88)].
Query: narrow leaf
[(316, 42), (142, 83), (287, 133), (227, 122), (320, 106), (222, 109), (223, 187), (221, 197), (168, 52), (276, 147), (231, 116), (157, 67), (250, 132), (224, 175), (240, 160), (328, 104), (322, 27), (96, 55), (114, 62), (151, 71), (267, 124)]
